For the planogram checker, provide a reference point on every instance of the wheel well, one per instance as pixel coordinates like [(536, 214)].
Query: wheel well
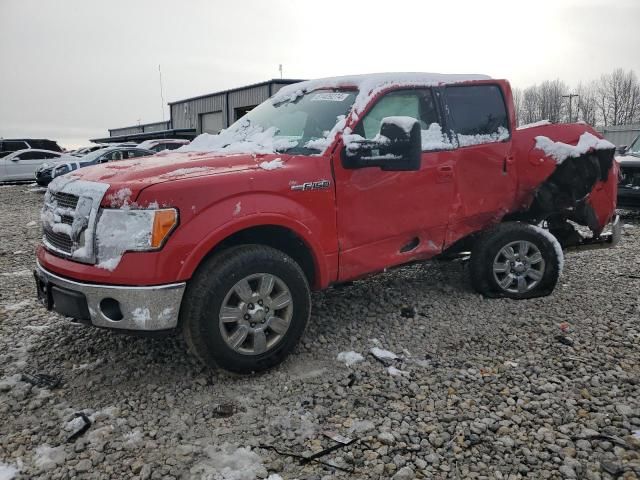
[(280, 238)]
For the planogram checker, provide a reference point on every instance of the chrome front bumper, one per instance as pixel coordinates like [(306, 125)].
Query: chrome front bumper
[(112, 306)]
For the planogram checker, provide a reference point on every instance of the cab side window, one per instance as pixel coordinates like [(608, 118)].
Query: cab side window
[(415, 103), (478, 114)]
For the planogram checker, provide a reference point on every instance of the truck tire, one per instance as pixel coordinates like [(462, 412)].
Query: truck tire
[(516, 260), (245, 309)]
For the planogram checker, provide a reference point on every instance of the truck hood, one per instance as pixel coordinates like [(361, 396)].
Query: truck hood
[(137, 174)]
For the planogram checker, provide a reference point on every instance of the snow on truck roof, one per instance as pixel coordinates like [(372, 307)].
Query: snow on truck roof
[(370, 84)]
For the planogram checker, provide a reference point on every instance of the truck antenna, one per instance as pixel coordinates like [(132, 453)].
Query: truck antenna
[(161, 94)]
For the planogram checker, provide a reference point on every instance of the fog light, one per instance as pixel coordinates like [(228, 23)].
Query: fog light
[(110, 308)]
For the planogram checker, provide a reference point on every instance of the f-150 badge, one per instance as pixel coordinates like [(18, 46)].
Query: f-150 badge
[(319, 185)]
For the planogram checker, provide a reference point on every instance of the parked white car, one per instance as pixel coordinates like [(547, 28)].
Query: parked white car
[(22, 165), (161, 144)]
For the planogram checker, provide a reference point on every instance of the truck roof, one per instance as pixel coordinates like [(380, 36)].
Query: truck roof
[(371, 83)]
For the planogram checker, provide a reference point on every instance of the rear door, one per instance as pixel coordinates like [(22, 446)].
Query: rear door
[(484, 168)]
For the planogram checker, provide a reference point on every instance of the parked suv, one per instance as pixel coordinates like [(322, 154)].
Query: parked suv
[(14, 144), (629, 186), (328, 181)]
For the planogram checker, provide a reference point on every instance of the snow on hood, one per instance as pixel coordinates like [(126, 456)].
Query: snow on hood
[(560, 151), (369, 85), (241, 137)]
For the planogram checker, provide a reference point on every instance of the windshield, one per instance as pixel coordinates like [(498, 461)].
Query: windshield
[(92, 155), (634, 149), (303, 125)]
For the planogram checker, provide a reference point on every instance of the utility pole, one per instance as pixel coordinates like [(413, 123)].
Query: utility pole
[(280, 68), (161, 93), (570, 97)]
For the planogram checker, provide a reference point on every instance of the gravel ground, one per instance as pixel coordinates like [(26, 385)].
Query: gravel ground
[(545, 388)]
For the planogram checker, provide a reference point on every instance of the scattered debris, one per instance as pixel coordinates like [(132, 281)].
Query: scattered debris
[(81, 422), (565, 340), (382, 355), (224, 410), (42, 380), (393, 371), (336, 437), (408, 312)]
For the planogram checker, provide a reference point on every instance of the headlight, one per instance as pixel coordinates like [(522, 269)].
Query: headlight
[(120, 231)]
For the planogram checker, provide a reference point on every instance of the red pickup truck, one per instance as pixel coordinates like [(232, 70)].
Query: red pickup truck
[(327, 181)]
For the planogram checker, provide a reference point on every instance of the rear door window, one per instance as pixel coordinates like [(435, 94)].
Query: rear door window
[(478, 114)]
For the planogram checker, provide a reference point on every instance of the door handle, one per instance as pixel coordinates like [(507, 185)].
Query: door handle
[(445, 173)]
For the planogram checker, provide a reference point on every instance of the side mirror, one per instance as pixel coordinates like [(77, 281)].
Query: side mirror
[(15, 159), (622, 149), (397, 147)]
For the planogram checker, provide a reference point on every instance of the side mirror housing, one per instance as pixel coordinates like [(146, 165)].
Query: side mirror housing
[(622, 149), (397, 147)]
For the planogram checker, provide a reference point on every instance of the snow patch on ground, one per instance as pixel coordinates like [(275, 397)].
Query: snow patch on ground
[(350, 358), (7, 472), (393, 371), (272, 165), (383, 354), (560, 151), (12, 307), (19, 273), (229, 463), (48, 458)]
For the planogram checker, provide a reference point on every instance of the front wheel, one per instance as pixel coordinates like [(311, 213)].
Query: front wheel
[(246, 308), (516, 260)]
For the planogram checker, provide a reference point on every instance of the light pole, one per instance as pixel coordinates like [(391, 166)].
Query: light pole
[(570, 97)]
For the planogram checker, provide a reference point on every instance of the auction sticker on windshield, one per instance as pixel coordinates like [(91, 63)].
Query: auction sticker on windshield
[(329, 97)]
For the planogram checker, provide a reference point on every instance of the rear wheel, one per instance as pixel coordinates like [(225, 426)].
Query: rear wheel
[(246, 308), (516, 260)]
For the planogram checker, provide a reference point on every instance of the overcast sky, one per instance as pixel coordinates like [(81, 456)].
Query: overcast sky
[(71, 69)]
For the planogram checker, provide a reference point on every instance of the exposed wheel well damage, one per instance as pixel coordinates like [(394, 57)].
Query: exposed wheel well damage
[(564, 196), (280, 238)]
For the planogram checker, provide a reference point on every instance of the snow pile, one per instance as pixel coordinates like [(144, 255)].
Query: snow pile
[(541, 123), (229, 463), (241, 137), (48, 458), (434, 139), (556, 245), (133, 439), (7, 472), (120, 198), (272, 165), (561, 151), (382, 354), (479, 139), (350, 358)]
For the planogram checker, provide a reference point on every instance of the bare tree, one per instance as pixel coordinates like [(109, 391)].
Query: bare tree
[(517, 104), (552, 106), (619, 97), (587, 103), (531, 105)]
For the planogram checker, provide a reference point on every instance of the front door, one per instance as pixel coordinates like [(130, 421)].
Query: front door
[(388, 218), (24, 165)]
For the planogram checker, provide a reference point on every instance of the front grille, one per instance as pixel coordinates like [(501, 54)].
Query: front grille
[(59, 241), (64, 200)]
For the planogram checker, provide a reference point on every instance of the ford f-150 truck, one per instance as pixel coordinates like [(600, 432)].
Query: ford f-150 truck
[(327, 181)]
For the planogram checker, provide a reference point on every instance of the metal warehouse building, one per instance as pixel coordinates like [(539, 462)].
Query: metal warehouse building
[(202, 114)]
